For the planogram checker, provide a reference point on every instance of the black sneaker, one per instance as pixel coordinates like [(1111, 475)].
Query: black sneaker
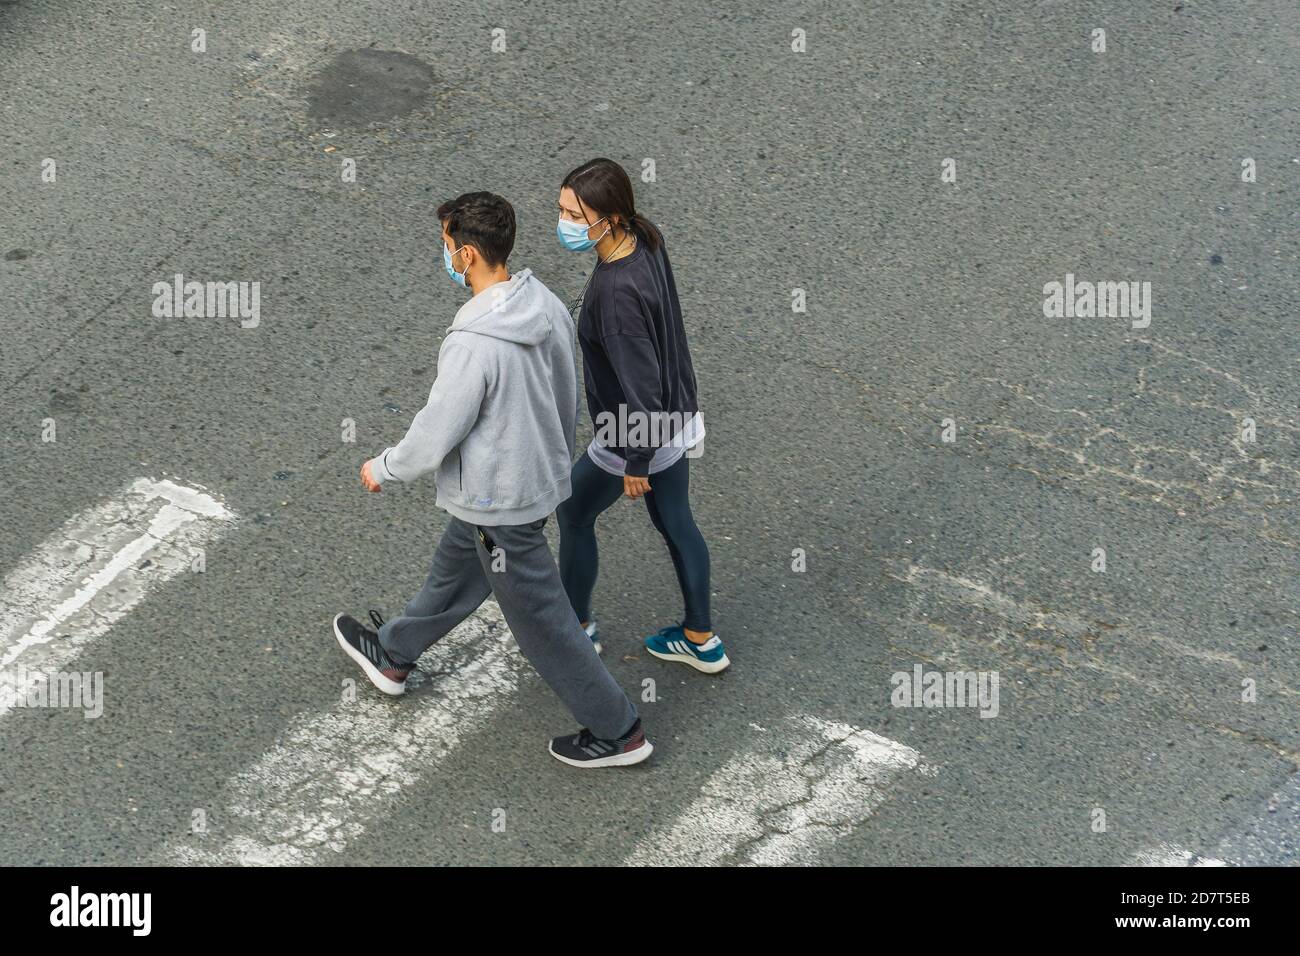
[(362, 645), (588, 750)]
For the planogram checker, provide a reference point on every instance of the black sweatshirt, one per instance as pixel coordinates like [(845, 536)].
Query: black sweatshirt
[(634, 348)]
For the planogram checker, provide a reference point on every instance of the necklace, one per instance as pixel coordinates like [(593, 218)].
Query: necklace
[(627, 234), (576, 305)]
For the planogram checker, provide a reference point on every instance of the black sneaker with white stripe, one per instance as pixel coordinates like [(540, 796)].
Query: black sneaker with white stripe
[(362, 645), (588, 750)]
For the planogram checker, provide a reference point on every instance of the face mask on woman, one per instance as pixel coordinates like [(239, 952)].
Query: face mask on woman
[(573, 235), (456, 277)]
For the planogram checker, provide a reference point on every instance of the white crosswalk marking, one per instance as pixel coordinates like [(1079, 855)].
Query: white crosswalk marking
[(333, 775), (801, 787), (94, 570), (1166, 854)]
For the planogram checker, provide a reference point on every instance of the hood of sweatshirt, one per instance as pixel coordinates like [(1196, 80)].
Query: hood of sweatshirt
[(514, 311)]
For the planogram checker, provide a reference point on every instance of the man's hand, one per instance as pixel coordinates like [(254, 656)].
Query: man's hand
[(635, 487), (368, 479)]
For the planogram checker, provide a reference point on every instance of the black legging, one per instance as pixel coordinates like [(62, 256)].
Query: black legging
[(668, 501)]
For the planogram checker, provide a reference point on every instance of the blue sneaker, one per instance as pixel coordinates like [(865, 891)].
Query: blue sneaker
[(672, 644), (594, 633)]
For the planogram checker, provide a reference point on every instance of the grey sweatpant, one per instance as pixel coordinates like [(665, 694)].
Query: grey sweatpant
[(534, 605)]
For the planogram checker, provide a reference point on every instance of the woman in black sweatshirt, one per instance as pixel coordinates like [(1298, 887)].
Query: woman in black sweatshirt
[(642, 401)]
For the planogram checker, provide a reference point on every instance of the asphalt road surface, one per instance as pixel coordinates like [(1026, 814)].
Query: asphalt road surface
[(915, 471)]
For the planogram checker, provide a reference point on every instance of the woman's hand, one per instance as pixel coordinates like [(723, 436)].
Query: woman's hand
[(634, 486)]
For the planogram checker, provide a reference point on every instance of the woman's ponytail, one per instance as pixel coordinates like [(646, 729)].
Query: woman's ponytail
[(646, 230)]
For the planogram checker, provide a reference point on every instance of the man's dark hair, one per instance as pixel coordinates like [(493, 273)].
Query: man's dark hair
[(482, 220)]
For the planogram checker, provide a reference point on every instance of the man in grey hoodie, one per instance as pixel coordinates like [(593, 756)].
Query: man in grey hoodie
[(498, 431)]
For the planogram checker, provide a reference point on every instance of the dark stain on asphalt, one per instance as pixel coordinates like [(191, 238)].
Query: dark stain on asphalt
[(17, 255), (67, 399), (360, 87)]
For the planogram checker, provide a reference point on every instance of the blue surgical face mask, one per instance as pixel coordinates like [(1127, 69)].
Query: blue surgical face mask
[(456, 277), (573, 235)]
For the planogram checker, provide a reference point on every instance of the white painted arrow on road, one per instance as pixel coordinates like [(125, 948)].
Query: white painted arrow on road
[(90, 573)]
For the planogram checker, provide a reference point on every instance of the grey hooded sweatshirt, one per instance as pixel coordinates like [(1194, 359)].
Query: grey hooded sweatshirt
[(500, 420)]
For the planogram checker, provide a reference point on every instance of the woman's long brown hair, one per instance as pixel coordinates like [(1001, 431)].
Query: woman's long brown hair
[(603, 185)]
